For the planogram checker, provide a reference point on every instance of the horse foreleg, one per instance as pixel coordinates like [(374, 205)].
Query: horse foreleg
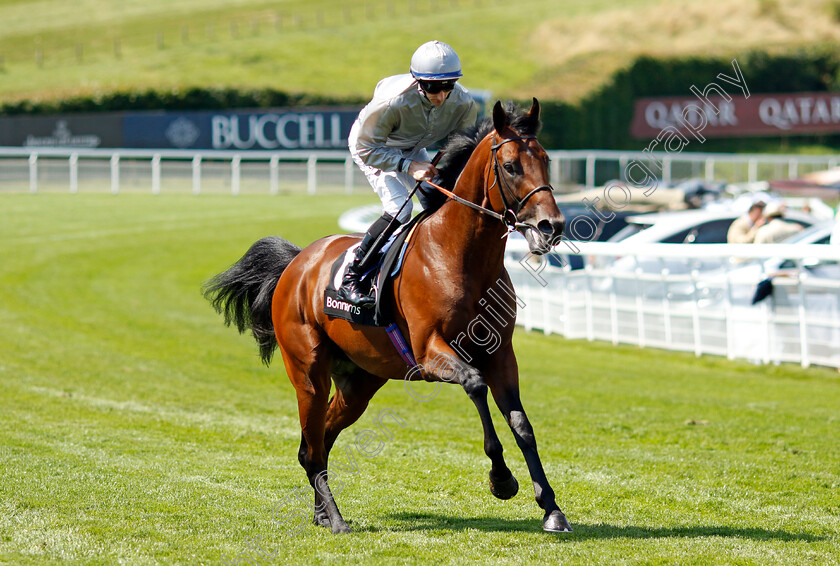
[(444, 364), (504, 384)]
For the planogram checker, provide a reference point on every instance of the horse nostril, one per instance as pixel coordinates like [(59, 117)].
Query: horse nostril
[(545, 227), (559, 226)]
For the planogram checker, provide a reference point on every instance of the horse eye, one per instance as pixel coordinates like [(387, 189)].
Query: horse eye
[(509, 168)]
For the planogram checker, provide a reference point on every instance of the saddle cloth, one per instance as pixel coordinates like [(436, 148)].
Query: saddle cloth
[(389, 264)]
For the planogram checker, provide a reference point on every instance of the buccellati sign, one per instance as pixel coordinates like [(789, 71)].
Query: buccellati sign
[(269, 129)]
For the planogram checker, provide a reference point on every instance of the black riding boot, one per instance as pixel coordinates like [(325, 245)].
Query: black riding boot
[(365, 258)]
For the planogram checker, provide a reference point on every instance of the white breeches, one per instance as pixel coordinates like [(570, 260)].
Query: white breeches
[(393, 187)]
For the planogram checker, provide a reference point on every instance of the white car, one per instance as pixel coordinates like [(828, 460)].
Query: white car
[(681, 227), (689, 227)]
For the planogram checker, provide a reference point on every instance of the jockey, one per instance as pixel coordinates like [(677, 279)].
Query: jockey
[(388, 142)]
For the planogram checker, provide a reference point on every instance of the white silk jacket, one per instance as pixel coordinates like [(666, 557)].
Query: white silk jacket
[(400, 121)]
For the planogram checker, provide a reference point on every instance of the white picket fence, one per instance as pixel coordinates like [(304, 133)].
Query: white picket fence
[(172, 171), (705, 312), (116, 170)]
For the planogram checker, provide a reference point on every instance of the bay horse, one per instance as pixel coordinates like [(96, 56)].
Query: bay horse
[(500, 177)]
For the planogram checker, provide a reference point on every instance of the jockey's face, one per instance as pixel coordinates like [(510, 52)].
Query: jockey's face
[(437, 91), (437, 99)]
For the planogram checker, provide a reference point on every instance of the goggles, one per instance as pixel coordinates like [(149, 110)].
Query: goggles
[(434, 87)]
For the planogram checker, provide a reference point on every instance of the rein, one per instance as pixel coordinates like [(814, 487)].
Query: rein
[(510, 217)]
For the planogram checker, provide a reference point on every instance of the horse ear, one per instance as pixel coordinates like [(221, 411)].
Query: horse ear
[(534, 112), (499, 117)]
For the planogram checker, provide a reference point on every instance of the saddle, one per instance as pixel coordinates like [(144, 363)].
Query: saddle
[(386, 268)]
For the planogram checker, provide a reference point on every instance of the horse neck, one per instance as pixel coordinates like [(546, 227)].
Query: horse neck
[(470, 236)]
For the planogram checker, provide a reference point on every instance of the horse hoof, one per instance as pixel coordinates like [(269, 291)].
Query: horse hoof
[(322, 520), (342, 528), (555, 522), (504, 489)]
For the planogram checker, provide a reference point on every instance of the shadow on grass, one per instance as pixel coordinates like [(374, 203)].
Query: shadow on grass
[(431, 522)]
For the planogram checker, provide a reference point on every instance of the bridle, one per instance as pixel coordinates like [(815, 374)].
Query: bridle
[(518, 204), (512, 204)]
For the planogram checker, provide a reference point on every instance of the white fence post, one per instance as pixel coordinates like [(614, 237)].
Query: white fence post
[(727, 309), (33, 173), (640, 304), (666, 305), (234, 175), (554, 171), (803, 318), (312, 175), (695, 314), (590, 323), (349, 166), (115, 174), (752, 171), (710, 170), (196, 175), (590, 171), (74, 173), (156, 174), (793, 168), (274, 175)]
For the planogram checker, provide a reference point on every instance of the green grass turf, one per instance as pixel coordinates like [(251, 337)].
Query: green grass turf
[(136, 428)]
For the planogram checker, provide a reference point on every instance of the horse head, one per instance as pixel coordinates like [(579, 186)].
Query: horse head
[(521, 186)]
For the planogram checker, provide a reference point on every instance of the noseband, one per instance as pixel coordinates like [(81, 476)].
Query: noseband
[(510, 217)]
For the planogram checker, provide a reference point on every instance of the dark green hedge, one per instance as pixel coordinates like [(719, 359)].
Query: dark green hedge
[(602, 120)]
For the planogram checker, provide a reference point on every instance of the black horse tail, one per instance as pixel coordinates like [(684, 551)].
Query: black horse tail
[(243, 292)]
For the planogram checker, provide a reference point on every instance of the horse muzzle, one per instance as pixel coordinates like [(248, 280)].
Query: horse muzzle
[(544, 235)]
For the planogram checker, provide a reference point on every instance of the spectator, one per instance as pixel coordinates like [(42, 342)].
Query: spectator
[(743, 230), (775, 228)]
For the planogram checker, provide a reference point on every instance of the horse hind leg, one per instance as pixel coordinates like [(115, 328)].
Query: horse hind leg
[(310, 376), (351, 398), (354, 390), (320, 516)]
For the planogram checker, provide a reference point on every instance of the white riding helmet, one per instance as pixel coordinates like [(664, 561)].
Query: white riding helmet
[(435, 61)]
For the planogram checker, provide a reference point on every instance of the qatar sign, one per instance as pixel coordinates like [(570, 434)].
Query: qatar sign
[(789, 114)]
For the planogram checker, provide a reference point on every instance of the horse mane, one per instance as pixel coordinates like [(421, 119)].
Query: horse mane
[(460, 145)]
